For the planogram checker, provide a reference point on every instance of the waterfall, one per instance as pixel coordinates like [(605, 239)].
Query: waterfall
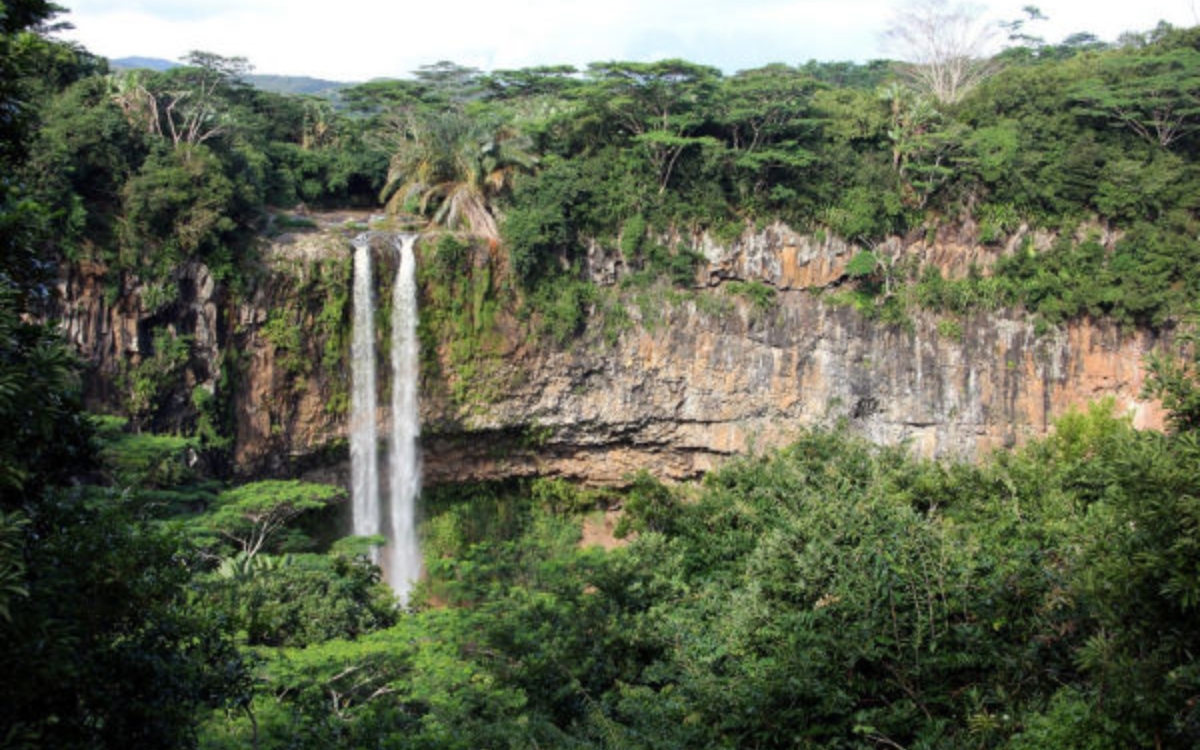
[(403, 554), (364, 439)]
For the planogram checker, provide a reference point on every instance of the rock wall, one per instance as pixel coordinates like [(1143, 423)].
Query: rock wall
[(679, 395), (284, 415), (674, 394), (698, 388), (110, 322)]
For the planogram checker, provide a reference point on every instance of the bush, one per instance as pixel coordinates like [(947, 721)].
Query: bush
[(305, 599)]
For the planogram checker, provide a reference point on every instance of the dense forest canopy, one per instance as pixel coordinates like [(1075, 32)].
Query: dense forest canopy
[(831, 594)]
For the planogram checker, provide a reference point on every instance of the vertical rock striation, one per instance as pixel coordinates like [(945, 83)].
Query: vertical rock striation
[(698, 388), (674, 396)]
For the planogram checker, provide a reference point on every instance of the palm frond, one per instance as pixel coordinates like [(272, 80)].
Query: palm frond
[(454, 167)]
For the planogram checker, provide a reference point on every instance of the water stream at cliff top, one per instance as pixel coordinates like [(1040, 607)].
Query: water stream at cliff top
[(364, 437), (402, 557)]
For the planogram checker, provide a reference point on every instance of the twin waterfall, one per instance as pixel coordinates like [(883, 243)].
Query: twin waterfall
[(403, 554), (395, 516), (364, 437)]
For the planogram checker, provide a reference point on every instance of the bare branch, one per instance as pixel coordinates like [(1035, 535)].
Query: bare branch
[(947, 48)]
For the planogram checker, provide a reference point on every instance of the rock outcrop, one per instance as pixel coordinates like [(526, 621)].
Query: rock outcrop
[(673, 393)]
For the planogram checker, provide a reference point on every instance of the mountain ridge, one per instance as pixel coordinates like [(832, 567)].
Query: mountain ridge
[(276, 84)]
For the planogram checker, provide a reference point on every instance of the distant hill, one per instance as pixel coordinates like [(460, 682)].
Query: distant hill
[(142, 63), (298, 85), (295, 85)]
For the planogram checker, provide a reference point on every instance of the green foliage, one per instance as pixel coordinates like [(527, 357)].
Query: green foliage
[(399, 687), (12, 568), (461, 515), (862, 264), (564, 308), (329, 291), (633, 236), (830, 594), (1152, 92), (108, 645), (450, 257), (459, 318), (84, 154), (48, 436), (1147, 279), (339, 170), (561, 497), (300, 600), (542, 225), (212, 415), (649, 505), (1141, 581), (993, 150), (452, 167), (148, 381), (98, 642), (831, 591), (761, 296), (1176, 382), (287, 337), (768, 115), (1072, 720), (660, 106), (175, 210), (150, 170), (479, 537), (843, 594), (862, 212), (252, 516), (142, 460), (950, 329), (997, 222), (678, 264)]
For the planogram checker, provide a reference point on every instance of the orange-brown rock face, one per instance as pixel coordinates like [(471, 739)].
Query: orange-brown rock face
[(677, 396), (678, 399)]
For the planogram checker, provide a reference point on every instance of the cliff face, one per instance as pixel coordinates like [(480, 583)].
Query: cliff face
[(111, 322), (697, 388), (687, 384)]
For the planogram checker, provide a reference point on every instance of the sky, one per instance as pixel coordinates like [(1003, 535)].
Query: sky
[(357, 40)]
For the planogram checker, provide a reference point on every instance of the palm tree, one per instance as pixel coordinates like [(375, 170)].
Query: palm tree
[(451, 167)]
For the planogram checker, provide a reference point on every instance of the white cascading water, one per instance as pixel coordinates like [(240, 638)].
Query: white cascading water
[(364, 438), (403, 554)]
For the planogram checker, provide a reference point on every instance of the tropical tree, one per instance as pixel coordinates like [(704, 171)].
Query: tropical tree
[(921, 143), (1155, 94), (452, 167), (187, 105), (767, 114), (253, 515), (662, 105), (45, 435), (450, 81)]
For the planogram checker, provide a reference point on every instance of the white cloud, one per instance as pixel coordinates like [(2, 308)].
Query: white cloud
[(362, 39)]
